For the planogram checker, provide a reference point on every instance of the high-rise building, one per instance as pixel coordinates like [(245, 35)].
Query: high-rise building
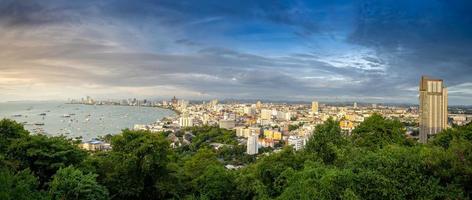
[(314, 107), (433, 107), (174, 101), (214, 102), (355, 105), (252, 147)]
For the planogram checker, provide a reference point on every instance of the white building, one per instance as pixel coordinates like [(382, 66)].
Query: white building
[(249, 110), (252, 147), (95, 145), (266, 114), (227, 123), (284, 116), (296, 142), (185, 121)]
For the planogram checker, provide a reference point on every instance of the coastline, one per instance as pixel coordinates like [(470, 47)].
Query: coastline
[(62, 118)]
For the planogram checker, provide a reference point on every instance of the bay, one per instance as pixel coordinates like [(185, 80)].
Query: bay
[(74, 120)]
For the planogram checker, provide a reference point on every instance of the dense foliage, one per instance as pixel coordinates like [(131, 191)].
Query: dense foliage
[(377, 161)]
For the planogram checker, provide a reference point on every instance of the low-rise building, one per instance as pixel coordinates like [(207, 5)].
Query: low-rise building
[(227, 123), (95, 145)]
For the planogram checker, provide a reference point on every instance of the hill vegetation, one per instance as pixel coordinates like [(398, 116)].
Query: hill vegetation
[(377, 161)]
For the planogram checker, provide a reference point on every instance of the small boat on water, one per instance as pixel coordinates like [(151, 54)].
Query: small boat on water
[(39, 131), (39, 124), (42, 114), (17, 115), (65, 115)]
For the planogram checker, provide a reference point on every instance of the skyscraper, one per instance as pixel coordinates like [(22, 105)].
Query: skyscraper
[(433, 107), (314, 107), (258, 105)]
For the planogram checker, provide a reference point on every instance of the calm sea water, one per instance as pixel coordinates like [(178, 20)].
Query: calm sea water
[(73, 120)]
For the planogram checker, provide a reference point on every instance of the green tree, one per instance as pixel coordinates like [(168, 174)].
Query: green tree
[(444, 138), (398, 172), (235, 155), (19, 186), (208, 134), (137, 167), (215, 183), (269, 169), (377, 132), (198, 163), (451, 159), (70, 183), (45, 155), (326, 140), (9, 131), (318, 181)]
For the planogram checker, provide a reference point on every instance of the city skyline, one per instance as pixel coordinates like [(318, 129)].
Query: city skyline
[(337, 51)]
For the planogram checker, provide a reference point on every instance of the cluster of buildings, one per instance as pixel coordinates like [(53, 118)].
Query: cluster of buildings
[(123, 102), (272, 125), (269, 125)]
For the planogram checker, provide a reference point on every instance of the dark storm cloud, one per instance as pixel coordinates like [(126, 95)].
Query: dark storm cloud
[(362, 49), (419, 38)]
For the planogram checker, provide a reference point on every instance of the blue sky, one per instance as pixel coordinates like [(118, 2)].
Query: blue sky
[(361, 50)]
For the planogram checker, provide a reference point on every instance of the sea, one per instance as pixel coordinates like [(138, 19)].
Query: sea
[(78, 120)]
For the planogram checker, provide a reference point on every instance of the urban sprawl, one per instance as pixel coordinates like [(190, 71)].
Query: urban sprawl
[(274, 125)]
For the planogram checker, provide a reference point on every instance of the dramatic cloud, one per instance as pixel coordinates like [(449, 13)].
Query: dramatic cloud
[(283, 50)]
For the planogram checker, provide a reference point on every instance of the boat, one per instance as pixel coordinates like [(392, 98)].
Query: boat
[(17, 115), (39, 124), (42, 114), (39, 131), (65, 115)]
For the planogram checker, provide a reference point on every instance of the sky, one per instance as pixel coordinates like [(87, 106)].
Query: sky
[(337, 50)]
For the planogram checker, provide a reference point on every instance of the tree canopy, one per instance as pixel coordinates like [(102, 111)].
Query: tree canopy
[(377, 161)]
